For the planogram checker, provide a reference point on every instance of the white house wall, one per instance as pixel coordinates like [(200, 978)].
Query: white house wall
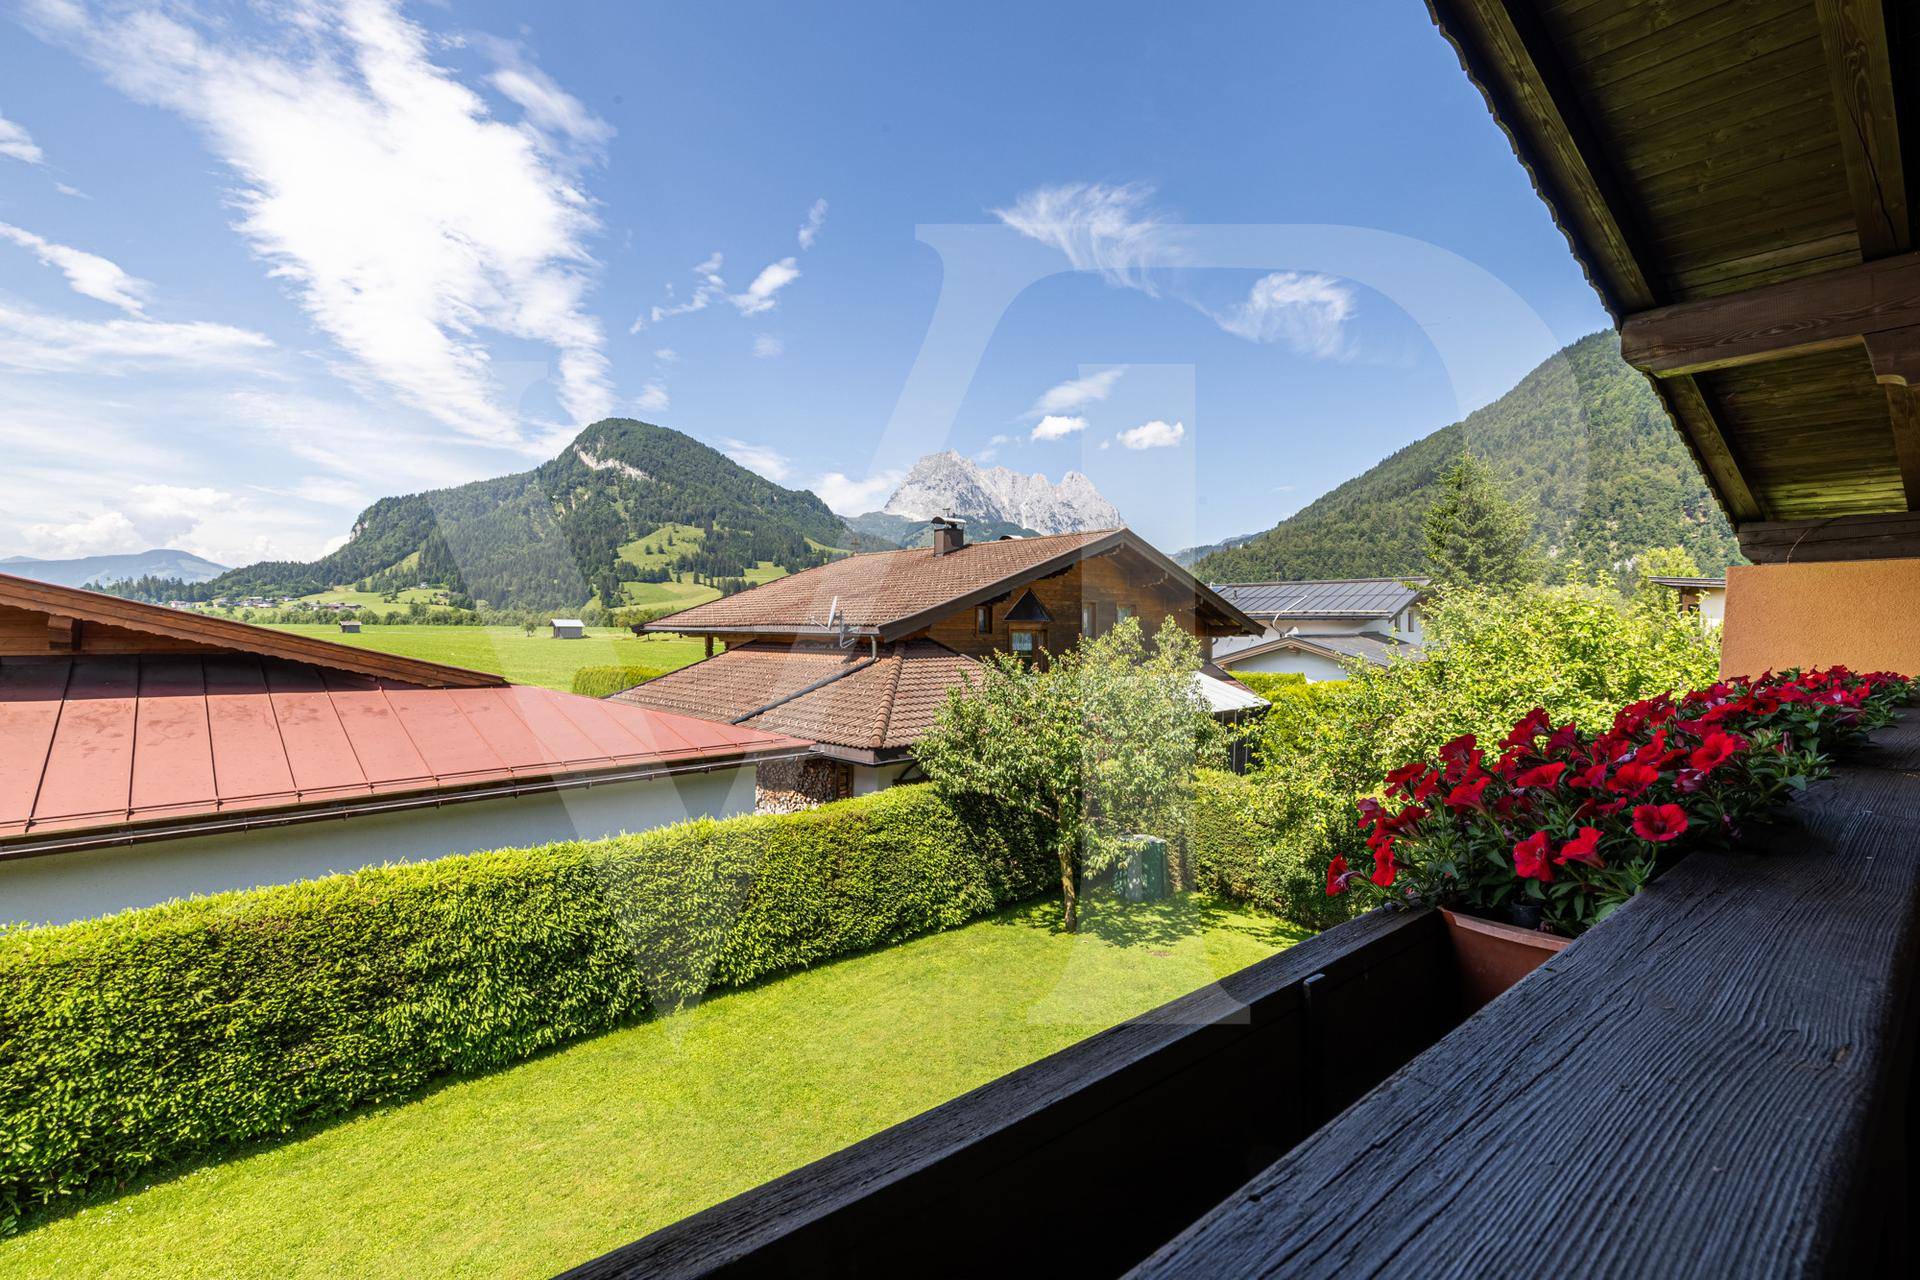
[(61, 887), (868, 779), (1311, 665)]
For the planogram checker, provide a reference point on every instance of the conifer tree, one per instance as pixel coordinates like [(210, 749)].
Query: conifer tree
[(1477, 536)]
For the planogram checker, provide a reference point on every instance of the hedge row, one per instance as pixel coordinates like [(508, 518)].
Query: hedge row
[(156, 1036), (602, 682), (1237, 848)]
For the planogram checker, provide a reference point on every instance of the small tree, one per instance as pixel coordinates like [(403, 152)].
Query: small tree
[(1661, 562), (1476, 536), (1098, 743)]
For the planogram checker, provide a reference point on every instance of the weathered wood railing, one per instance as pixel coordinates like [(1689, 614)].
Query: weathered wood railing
[(1713, 1083), (1084, 1162)]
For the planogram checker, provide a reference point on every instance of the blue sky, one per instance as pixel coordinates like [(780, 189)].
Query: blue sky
[(263, 263)]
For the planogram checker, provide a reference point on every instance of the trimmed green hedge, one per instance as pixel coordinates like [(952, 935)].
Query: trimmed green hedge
[(602, 682), (153, 1037), (1238, 848)]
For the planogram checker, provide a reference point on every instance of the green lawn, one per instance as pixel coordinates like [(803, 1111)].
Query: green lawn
[(509, 651), (543, 1165)]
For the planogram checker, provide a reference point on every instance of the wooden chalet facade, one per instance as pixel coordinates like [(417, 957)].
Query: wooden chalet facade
[(859, 655)]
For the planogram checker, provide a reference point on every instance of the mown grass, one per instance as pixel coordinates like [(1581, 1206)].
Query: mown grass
[(538, 659), (538, 1167)]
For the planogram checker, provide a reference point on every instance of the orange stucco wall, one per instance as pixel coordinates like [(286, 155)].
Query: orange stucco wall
[(1864, 614)]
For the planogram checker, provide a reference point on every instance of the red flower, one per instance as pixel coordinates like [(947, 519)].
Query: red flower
[(1591, 779), (1716, 751), (1584, 847), (1562, 739), (1631, 778), (1469, 795), (1529, 727), (1459, 749), (1429, 783), (1659, 823), (1336, 876), (1546, 776), (1406, 773), (1530, 859), (1383, 868)]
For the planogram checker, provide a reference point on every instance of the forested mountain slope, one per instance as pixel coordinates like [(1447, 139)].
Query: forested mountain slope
[(1581, 442), (551, 537)]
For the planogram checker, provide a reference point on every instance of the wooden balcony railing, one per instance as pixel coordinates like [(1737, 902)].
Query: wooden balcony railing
[(1714, 1082)]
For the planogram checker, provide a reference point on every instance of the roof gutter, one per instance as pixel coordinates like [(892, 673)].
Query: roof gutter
[(264, 819)]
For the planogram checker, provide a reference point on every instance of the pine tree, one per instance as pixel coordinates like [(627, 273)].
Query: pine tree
[(1476, 535)]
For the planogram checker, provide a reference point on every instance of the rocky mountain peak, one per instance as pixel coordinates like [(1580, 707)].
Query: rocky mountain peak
[(947, 484)]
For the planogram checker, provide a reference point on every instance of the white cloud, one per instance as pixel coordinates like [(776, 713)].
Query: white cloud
[(849, 497), (653, 398), (1153, 435), (75, 192), (1077, 393), (150, 515), (666, 356), (816, 219), (1098, 227), (1305, 312), (17, 144), (41, 343), (556, 116), (769, 346), (759, 458), (404, 216), (1057, 427), (759, 296), (90, 275)]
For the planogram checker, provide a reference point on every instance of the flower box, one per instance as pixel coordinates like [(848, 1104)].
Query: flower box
[(1492, 956)]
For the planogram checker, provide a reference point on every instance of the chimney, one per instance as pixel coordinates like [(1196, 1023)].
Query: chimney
[(948, 535)]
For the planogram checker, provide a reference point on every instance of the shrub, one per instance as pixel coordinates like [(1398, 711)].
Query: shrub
[(1240, 847), (145, 1039), (603, 682)]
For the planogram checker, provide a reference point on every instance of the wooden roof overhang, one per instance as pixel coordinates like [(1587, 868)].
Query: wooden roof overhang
[(1736, 178)]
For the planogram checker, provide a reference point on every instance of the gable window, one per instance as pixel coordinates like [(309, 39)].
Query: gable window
[(1121, 612), (1089, 618), (983, 620), (1026, 641)]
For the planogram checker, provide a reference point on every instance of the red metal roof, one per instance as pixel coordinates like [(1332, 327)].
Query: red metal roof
[(94, 744)]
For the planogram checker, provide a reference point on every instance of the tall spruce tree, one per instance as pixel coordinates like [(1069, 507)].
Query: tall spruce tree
[(1477, 536)]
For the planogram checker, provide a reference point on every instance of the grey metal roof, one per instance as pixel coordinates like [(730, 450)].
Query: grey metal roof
[(1366, 646), (1347, 598), (1701, 584)]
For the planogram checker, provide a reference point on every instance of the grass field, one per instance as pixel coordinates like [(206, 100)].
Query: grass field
[(541, 1166), (510, 652), (374, 600)]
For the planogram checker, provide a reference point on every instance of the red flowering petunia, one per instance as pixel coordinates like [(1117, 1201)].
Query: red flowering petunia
[(1584, 847), (1632, 778), (1546, 776), (1590, 779), (1459, 748), (1469, 795), (1406, 773), (1383, 866), (1659, 823), (1336, 876), (1529, 727), (1716, 751), (1530, 859)]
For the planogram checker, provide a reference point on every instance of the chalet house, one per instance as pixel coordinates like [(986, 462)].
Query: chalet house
[(147, 754), (1320, 629), (1704, 596), (858, 655)]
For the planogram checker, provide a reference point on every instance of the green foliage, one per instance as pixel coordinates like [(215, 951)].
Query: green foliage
[(1245, 845), (152, 1037), (1661, 562), (604, 682), (1475, 536), (1097, 744), (1581, 443)]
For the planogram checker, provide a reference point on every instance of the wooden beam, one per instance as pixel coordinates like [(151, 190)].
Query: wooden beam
[(1699, 426), (1903, 411), (1895, 355), (1891, 536), (63, 634), (1854, 36), (1796, 317)]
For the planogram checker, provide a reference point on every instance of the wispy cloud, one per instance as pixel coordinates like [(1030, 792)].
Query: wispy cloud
[(90, 275), (759, 296), (406, 218), (37, 342), (769, 346), (653, 398), (560, 121), (17, 144), (1076, 393), (1099, 227), (759, 458), (847, 496), (1153, 435), (810, 229), (1305, 312), (666, 356), (1057, 427)]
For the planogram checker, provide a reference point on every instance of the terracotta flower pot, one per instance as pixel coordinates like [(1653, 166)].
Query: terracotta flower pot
[(1493, 956)]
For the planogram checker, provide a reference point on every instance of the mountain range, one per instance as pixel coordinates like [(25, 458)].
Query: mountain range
[(991, 500), (1581, 442), (182, 566)]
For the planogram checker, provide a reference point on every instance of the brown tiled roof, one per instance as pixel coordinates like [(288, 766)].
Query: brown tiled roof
[(879, 705)]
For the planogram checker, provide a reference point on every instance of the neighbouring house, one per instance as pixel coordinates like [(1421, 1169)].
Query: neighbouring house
[(147, 754), (858, 655), (350, 627), (568, 628), (1704, 596), (1321, 629)]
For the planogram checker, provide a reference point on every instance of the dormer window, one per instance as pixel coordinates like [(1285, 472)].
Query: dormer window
[(1026, 641)]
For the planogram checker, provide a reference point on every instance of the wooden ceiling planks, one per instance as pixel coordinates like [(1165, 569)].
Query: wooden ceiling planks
[(1707, 149)]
